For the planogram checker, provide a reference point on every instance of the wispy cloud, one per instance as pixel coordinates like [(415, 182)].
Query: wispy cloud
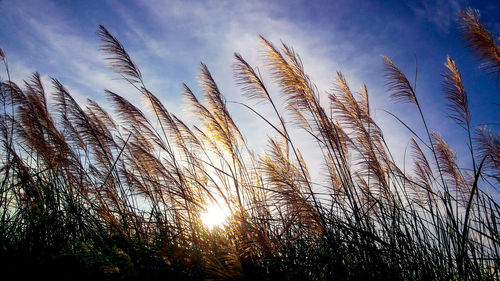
[(440, 13)]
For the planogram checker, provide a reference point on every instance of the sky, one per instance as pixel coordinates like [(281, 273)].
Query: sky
[(168, 40)]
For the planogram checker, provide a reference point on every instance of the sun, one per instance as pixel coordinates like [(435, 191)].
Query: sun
[(214, 215)]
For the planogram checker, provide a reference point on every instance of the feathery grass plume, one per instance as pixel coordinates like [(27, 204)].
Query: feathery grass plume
[(253, 88), (35, 85), (423, 174), (423, 170), (364, 134), (217, 106), (488, 146), (220, 126), (402, 91), (480, 40), (353, 115), (449, 166), (210, 124), (345, 106), (166, 120), (456, 95), (13, 95), (344, 140), (134, 119), (157, 107), (364, 104), (123, 64), (102, 114), (186, 134), (195, 105), (293, 82), (334, 180), (118, 57), (250, 80), (65, 109), (298, 119), (38, 127), (101, 127), (287, 182), (106, 186), (87, 131), (301, 94)]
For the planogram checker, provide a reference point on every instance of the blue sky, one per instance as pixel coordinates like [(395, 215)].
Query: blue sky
[(168, 39)]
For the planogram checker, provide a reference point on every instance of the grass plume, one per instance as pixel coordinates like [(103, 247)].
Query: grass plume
[(120, 195)]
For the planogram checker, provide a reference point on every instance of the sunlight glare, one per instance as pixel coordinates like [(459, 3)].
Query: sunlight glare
[(214, 215)]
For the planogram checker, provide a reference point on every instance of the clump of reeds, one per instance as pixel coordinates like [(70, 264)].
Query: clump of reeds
[(118, 195)]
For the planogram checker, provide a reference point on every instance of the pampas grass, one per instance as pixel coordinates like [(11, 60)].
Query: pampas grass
[(86, 193)]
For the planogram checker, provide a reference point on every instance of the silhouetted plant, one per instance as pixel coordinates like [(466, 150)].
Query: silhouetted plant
[(89, 194)]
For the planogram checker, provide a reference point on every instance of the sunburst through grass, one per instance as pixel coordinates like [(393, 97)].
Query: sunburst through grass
[(121, 196), (215, 215)]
